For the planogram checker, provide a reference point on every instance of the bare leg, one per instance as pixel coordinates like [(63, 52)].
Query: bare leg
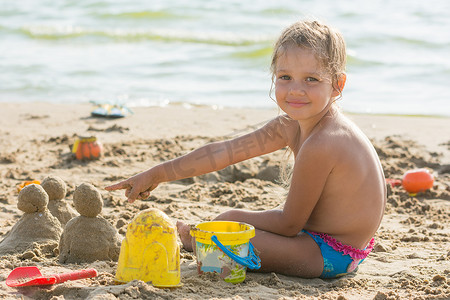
[(185, 236), (294, 256)]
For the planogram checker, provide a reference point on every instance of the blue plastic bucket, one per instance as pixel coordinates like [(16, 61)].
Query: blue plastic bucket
[(224, 247)]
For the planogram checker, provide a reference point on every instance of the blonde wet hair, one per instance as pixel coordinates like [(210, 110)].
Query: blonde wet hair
[(327, 44), (329, 48)]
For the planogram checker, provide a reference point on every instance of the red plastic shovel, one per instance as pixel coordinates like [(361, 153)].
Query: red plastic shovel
[(27, 276)]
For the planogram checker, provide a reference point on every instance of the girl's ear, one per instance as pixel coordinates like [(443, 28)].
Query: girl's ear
[(338, 87)]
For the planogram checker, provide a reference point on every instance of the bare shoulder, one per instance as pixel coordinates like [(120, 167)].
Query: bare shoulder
[(338, 135), (283, 126)]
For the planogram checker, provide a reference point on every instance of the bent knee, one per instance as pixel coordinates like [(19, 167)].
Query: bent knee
[(230, 215)]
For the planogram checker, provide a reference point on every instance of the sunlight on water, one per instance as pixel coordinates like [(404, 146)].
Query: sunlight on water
[(218, 52)]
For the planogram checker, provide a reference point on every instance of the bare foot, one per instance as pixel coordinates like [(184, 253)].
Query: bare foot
[(185, 236)]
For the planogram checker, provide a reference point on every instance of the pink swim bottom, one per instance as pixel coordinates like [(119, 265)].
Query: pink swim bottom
[(338, 259)]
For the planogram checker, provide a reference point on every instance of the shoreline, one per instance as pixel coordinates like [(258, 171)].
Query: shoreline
[(188, 105), (428, 131)]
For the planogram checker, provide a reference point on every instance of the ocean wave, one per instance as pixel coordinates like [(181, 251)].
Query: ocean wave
[(394, 40), (259, 52), (354, 61), (136, 35), (420, 42), (141, 15)]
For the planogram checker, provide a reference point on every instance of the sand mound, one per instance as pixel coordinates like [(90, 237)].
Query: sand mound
[(88, 237), (32, 198), (56, 189), (36, 226), (87, 200)]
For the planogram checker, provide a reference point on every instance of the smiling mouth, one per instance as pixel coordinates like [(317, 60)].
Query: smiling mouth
[(296, 104)]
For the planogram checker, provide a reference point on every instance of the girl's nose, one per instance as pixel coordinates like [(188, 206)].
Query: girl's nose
[(296, 89)]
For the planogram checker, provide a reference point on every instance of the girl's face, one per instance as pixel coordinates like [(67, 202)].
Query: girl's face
[(303, 89)]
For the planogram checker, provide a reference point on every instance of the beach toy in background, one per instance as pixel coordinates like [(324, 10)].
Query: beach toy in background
[(417, 180), (31, 276), (112, 111), (25, 183), (224, 247), (150, 251), (87, 148)]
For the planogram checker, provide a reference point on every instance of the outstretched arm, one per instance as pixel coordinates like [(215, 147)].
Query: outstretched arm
[(206, 159)]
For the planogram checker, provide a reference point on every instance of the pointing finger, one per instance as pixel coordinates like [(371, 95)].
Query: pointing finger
[(118, 186)]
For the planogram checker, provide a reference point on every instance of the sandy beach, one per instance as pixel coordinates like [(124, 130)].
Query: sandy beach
[(411, 258)]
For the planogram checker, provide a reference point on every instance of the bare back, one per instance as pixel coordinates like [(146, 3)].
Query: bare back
[(352, 199)]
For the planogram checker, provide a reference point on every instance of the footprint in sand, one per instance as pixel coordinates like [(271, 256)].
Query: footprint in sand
[(88, 237), (56, 189), (37, 225)]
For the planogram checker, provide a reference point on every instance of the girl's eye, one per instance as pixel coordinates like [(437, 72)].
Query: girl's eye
[(285, 77), (311, 79)]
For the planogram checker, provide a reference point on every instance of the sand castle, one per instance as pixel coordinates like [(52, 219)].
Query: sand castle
[(37, 225), (88, 237), (56, 189)]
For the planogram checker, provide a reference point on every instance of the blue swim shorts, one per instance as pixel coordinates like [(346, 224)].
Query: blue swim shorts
[(338, 259)]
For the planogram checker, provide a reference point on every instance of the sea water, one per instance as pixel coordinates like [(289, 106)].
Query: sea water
[(217, 52)]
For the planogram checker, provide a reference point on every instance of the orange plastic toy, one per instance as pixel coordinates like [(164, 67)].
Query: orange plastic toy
[(25, 183), (87, 148), (418, 180)]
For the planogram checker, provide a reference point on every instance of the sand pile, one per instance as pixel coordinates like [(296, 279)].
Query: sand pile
[(88, 237), (56, 189), (36, 227)]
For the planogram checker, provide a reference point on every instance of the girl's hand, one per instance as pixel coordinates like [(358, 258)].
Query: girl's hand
[(136, 187)]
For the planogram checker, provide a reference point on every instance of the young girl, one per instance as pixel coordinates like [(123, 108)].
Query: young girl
[(337, 191)]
